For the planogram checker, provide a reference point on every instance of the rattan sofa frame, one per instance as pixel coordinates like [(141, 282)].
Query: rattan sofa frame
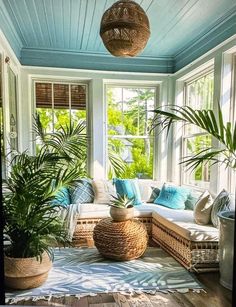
[(195, 256)]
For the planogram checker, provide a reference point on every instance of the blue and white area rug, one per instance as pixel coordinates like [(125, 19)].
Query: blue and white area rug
[(80, 272)]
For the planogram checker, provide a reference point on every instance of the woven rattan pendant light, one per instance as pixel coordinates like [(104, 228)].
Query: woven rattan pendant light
[(125, 29)]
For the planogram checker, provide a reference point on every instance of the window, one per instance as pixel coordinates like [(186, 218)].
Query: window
[(128, 128), (60, 103), (198, 95)]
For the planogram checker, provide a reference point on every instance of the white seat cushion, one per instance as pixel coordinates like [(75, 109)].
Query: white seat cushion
[(93, 211), (102, 210), (182, 222)]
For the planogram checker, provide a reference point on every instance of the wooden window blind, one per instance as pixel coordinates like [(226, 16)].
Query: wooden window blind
[(59, 95)]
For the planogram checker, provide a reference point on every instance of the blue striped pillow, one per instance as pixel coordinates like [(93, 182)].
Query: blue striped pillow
[(128, 187), (82, 192)]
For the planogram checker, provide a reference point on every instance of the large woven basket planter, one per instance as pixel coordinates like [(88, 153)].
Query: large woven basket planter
[(26, 273), (121, 214), (120, 240)]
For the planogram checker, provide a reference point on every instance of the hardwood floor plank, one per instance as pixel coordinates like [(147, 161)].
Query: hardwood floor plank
[(162, 300), (121, 300), (141, 300)]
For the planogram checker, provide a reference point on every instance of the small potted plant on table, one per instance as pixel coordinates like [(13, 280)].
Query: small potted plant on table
[(122, 208)]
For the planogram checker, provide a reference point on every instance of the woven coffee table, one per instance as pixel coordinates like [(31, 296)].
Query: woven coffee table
[(120, 240)]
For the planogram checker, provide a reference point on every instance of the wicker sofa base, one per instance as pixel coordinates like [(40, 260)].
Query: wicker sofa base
[(195, 256)]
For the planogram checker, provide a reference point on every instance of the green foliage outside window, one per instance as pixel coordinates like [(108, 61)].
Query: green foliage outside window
[(129, 121)]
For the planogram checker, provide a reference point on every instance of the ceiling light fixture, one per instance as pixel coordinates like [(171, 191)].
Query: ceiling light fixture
[(125, 29)]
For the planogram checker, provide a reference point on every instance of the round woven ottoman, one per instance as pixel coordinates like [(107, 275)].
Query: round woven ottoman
[(120, 240)]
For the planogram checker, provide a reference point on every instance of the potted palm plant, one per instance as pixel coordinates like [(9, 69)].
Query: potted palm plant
[(122, 208), (31, 222), (224, 153)]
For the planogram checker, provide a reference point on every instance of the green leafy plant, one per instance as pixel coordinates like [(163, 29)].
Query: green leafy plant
[(69, 141), (121, 202), (224, 133), (31, 221)]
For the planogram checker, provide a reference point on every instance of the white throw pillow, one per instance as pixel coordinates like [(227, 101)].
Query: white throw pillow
[(202, 209), (103, 190)]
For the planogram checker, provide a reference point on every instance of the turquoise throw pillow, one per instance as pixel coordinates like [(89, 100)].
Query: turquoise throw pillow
[(130, 188), (62, 197), (82, 192), (190, 202), (172, 197)]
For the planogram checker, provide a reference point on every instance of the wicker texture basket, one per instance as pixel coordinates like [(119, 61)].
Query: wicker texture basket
[(120, 240), (125, 29), (26, 273)]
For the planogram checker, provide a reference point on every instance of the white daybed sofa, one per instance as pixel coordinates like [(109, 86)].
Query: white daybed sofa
[(195, 246)]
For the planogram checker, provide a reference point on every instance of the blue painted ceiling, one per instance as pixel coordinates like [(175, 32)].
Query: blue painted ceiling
[(65, 33)]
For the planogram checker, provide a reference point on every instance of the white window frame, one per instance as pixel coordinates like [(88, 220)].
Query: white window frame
[(156, 87), (184, 174)]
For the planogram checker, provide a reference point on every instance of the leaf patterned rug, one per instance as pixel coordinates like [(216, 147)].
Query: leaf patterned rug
[(83, 271)]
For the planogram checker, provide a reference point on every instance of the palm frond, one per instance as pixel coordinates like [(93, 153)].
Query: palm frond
[(116, 165), (206, 120)]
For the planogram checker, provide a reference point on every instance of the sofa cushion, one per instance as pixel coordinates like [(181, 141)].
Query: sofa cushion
[(103, 191), (192, 199), (182, 222), (155, 193), (146, 187), (202, 209), (93, 211), (221, 203), (130, 188), (172, 197), (62, 197), (102, 210), (82, 192)]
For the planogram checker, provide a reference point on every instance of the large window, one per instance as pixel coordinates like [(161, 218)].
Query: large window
[(129, 121), (198, 95)]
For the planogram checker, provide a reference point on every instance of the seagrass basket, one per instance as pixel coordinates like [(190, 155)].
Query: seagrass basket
[(120, 240), (26, 273)]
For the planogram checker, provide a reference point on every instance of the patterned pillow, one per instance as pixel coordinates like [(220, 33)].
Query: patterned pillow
[(82, 192), (103, 190), (154, 195), (128, 187), (221, 203), (202, 209), (172, 197), (62, 198)]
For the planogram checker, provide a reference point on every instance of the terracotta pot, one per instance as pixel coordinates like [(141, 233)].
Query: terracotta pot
[(121, 214), (26, 273)]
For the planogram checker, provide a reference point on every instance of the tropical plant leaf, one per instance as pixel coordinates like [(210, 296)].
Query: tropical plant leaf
[(225, 134)]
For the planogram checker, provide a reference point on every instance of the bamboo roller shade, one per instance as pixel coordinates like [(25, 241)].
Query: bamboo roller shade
[(61, 96)]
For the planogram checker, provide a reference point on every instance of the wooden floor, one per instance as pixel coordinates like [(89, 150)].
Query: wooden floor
[(214, 296)]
